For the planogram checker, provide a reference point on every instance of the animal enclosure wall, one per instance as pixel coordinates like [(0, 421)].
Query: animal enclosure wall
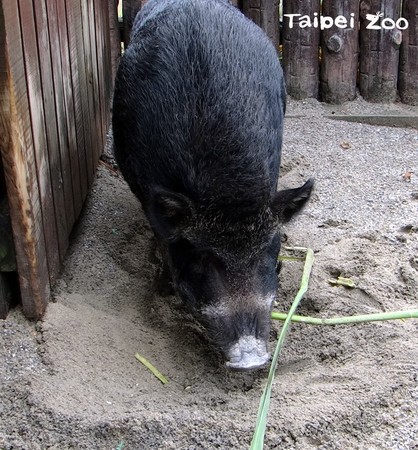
[(55, 88), (370, 46), (367, 45)]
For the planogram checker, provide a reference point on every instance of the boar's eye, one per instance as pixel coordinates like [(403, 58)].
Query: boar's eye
[(194, 264), (205, 262), (199, 281)]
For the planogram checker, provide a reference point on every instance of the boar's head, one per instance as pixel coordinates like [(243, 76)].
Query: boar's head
[(223, 264)]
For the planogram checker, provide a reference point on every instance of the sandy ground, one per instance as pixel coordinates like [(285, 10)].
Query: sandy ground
[(71, 381)]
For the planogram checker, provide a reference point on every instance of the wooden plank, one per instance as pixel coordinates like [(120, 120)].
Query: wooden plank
[(105, 69), (60, 112), (37, 113), (109, 75), (107, 49), (79, 83), (97, 65), (265, 13), (379, 52), (20, 166), (50, 125), (73, 140), (91, 99), (339, 62), (408, 70), (300, 50)]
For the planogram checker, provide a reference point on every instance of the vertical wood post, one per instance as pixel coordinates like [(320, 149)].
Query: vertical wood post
[(265, 13), (300, 50), (408, 70), (379, 52), (339, 62)]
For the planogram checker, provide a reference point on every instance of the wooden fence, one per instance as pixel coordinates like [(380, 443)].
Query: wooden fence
[(55, 88), (332, 63)]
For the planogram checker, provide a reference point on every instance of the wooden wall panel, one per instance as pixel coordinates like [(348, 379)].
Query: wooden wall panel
[(379, 53), (265, 13), (408, 68), (339, 61), (37, 114), (52, 149), (21, 173), (102, 61), (78, 73), (73, 140), (301, 51), (55, 88), (88, 21), (61, 112)]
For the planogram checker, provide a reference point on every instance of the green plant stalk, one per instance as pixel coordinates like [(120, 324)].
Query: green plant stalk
[(152, 368), (289, 258), (258, 437), (408, 314)]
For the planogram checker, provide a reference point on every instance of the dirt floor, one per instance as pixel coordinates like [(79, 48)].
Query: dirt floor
[(71, 381)]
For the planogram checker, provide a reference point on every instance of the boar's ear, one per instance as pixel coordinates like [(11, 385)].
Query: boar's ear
[(168, 212), (286, 203)]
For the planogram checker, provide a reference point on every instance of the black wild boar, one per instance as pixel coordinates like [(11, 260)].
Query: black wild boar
[(197, 121)]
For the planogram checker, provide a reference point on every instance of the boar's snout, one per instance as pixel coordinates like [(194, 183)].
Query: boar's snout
[(248, 353), (242, 334)]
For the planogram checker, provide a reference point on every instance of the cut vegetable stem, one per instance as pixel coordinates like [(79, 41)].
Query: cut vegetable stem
[(408, 314)]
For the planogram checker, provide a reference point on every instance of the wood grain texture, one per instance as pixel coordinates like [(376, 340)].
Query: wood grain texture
[(301, 51), (98, 56), (38, 125), (265, 13), (109, 76), (339, 62), (88, 85), (58, 84), (408, 67), (78, 87), (20, 166), (52, 141), (72, 139), (55, 85), (379, 53)]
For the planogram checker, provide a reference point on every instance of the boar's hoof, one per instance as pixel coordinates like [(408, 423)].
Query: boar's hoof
[(249, 353)]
